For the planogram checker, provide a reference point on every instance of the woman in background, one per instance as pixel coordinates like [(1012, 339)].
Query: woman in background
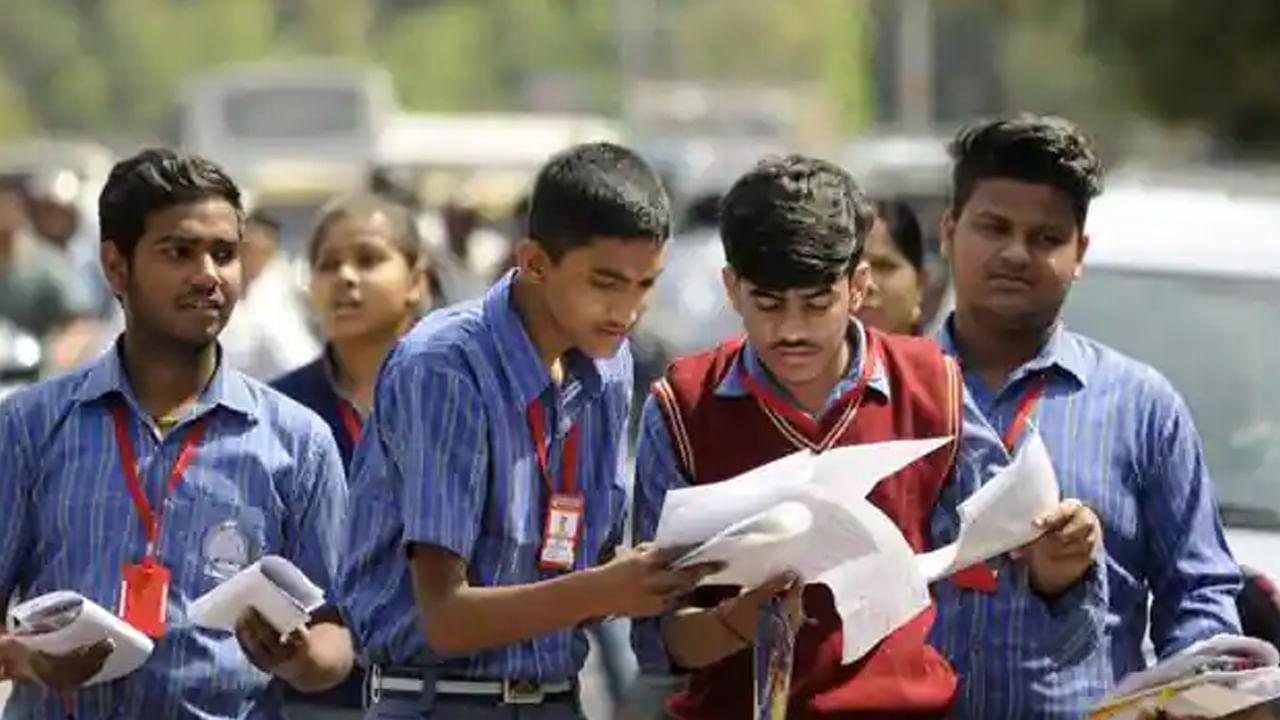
[(895, 252), (368, 287)]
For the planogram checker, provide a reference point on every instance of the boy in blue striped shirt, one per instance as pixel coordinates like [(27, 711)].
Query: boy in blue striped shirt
[(487, 492), (146, 478)]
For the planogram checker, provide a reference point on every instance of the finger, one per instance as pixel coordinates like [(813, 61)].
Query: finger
[(259, 643), (1077, 529), (1058, 516), (775, 585)]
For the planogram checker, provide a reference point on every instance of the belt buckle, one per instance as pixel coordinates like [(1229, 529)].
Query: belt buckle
[(522, 692)]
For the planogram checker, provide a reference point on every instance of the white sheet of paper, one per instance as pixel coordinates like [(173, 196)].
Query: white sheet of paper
[(853, 471), (693, 515), (878, 592), (1001, 515), (68, 621), (1183, 664), (273, 586)]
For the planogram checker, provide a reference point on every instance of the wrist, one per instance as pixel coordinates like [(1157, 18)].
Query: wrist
[(589, 593), (725, 617)]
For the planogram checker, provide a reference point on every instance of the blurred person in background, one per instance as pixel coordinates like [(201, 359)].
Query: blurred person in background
[(369, 283), (40, 291), (368, 286), (269, 334), (895, 254), (94, 455), (1120, 437)]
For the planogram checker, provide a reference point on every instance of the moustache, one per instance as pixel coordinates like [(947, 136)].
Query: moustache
[(794, 345)]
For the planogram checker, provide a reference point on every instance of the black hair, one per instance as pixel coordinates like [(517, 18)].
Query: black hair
[(794, 222), (363, 205), (703, 211), (264, 219), (1036, 149), (152, 181), (596, 190), (904, 229)]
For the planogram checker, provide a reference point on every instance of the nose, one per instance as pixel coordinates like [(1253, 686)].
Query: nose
[(1017, 251), (206, 272), (347, 274)]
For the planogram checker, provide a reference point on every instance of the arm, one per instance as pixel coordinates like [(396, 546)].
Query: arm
[(325, 655), (691, 637), (1193, 577), (434, 429)]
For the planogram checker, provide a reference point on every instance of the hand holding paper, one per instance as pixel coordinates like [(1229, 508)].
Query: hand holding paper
[(273, 586), (1001, 515), (74, 641), (808, 514)]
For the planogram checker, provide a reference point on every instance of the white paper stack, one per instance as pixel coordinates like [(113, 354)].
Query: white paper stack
[(273, 586), (809, 514), (1211, 679), (63, 621)]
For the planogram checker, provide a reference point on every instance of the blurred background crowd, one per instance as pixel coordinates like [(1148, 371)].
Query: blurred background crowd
[(448, 107)]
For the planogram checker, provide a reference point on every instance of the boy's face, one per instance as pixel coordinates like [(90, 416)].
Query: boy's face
[(797, 333), (596, 293)]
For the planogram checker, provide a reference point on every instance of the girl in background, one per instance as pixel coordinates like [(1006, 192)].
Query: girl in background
[(368, 287), (895, 252)]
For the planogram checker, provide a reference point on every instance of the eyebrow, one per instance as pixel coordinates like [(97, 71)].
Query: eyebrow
[(620, 277)]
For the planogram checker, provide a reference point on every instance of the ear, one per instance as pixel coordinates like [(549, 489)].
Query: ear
[(419, 295), (730, 281), (532, 260), (115, 266), (859, 283), (1081, 249), (947, 232)]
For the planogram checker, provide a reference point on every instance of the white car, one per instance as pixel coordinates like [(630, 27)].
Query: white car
[(1187, 279)]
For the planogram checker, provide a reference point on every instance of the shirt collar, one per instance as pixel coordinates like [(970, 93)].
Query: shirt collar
[(227, 388), (731, 385), (519, 358), (1061, 352)]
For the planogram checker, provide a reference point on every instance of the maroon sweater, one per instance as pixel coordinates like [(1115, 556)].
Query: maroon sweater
[(716, 438)]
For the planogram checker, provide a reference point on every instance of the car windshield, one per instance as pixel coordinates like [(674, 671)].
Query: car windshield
[(1213, 338)]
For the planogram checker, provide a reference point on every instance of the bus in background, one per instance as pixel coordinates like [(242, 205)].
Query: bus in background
[(318, 110)]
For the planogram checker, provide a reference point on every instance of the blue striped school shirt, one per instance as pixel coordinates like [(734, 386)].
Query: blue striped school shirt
[(447, 459), (1122, 441), (265, 479)]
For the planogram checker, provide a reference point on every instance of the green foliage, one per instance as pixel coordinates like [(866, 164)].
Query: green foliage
[(109, 67)]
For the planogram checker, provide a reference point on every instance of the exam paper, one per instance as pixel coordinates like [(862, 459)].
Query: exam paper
[(273, 586), (809, 514), (878, 592), (1001, 515), (62, 621)]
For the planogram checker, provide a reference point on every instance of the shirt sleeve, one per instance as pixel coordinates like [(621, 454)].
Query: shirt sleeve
[(1194, 579), (433, 432), (316, 524), (619, 507), (656, 473), (15, 510)]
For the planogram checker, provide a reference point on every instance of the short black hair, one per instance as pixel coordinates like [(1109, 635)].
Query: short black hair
[(794, 222), (596, 190), (1038, 149), (152, 181), (904, 229)]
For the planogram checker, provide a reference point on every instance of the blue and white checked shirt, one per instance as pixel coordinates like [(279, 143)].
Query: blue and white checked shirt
[(1122, 441), (265, 479), (447, 459)]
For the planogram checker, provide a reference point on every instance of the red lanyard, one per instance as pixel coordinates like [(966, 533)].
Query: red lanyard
[(351, 419), (129, 466), (767, 397), (568, 461), (1026, 406)]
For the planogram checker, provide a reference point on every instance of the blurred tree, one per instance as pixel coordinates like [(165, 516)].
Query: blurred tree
[(15, 120), (442, 55), (1209, 64)]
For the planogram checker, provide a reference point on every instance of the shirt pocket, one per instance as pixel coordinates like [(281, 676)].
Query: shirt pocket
[(217, 531)]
